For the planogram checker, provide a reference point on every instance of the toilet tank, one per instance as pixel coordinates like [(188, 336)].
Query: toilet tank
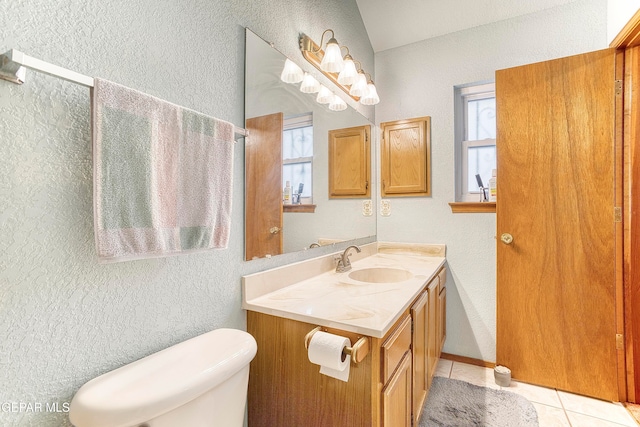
[(180, 382)]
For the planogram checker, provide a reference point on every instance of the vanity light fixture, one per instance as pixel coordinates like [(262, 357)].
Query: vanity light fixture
[(341, 70), (291, 73)]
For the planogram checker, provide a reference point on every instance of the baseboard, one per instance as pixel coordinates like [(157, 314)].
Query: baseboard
[(468, 360), (634, 410)]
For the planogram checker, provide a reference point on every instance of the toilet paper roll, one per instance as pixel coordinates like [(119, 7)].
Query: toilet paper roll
[(326, 350)]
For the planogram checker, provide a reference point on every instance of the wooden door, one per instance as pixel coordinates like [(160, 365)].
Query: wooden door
[(556, 323), (396, 397), (349, 162), (632, 222), (405, 158), (420, 318), (263, 186)]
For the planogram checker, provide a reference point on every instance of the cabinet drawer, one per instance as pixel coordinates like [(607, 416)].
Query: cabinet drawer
[(442, 274), (395, 347)]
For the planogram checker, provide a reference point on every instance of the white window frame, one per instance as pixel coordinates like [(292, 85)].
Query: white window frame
[(464, 94), (295, 122)]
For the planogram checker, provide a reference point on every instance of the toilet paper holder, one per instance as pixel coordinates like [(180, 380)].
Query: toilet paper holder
[(357, 351)]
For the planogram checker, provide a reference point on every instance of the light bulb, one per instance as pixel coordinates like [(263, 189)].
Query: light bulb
[(332, 61), (371, 97), (324, 96), (337, 104), (309, 84), (359, 88), (349, 73), (291, 73)]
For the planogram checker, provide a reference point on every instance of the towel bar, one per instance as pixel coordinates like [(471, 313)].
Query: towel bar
[(13, 65)]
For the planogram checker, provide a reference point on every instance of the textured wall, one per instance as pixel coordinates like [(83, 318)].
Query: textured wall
[(418, 80), (64, 319), (619, 12)]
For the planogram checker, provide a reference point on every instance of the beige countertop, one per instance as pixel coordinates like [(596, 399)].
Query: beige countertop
[(335, 300)]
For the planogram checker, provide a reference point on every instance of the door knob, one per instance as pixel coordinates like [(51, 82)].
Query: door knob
[(506, 238), (274, 230)]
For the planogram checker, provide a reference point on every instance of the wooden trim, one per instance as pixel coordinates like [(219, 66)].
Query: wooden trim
[(473, 207), (629, 36), (619, 228), (299, 208), (631, 224), (634, 410), (467, 360)]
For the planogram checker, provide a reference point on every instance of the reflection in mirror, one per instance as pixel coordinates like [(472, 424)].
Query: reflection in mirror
[(289, 142)]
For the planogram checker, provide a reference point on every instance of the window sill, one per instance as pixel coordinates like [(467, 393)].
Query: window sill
[(473, 207), (299, 208)]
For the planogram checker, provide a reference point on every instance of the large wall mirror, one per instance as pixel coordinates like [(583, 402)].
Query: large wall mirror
[(289, 141)]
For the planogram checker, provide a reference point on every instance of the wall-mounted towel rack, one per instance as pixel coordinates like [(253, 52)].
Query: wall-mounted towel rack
[(13, 65)]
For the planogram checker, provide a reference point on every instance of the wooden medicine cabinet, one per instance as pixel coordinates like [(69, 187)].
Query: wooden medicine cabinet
[(406, 158), (350, 162)]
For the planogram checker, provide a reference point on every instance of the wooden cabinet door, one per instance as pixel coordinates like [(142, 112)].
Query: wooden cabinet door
[(263, 176), (396, 396), (556, 323), (420, 317), (349, 162), (433, 291), (442, 319), (405, 159)]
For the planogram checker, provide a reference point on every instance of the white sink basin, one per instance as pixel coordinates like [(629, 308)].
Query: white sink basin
[(380, 275)]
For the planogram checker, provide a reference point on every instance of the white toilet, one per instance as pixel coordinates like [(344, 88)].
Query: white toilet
[(201, 382)]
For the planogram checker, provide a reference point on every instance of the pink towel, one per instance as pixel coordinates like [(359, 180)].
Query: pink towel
[(162, 176)]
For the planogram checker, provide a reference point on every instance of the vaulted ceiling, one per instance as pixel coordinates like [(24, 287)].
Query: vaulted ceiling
[(393, 23)]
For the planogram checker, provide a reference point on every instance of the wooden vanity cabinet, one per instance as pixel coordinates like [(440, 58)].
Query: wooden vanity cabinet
[(397, 376), (433, 343), (442, 311), (428, 314), (420, 318), (396, 396), (387, 389)]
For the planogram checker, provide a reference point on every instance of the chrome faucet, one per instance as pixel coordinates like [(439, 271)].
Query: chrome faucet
[(344, 264)]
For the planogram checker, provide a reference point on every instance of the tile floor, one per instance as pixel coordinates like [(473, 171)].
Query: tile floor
[(555, 408)]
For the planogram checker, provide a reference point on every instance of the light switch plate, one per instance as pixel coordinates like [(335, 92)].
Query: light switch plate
[(385, 207), (367, 208)]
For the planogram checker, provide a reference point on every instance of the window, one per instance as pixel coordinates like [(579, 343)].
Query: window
[(297, 155), (475, 137)]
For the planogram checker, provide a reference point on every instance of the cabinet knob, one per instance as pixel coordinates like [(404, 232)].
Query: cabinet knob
[(274, 230), (506, 238)]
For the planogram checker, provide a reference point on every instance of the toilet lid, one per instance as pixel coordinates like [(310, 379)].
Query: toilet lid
[(162, 381)]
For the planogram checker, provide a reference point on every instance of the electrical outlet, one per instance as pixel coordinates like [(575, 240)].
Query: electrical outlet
[(367, 208), (385, 207)]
